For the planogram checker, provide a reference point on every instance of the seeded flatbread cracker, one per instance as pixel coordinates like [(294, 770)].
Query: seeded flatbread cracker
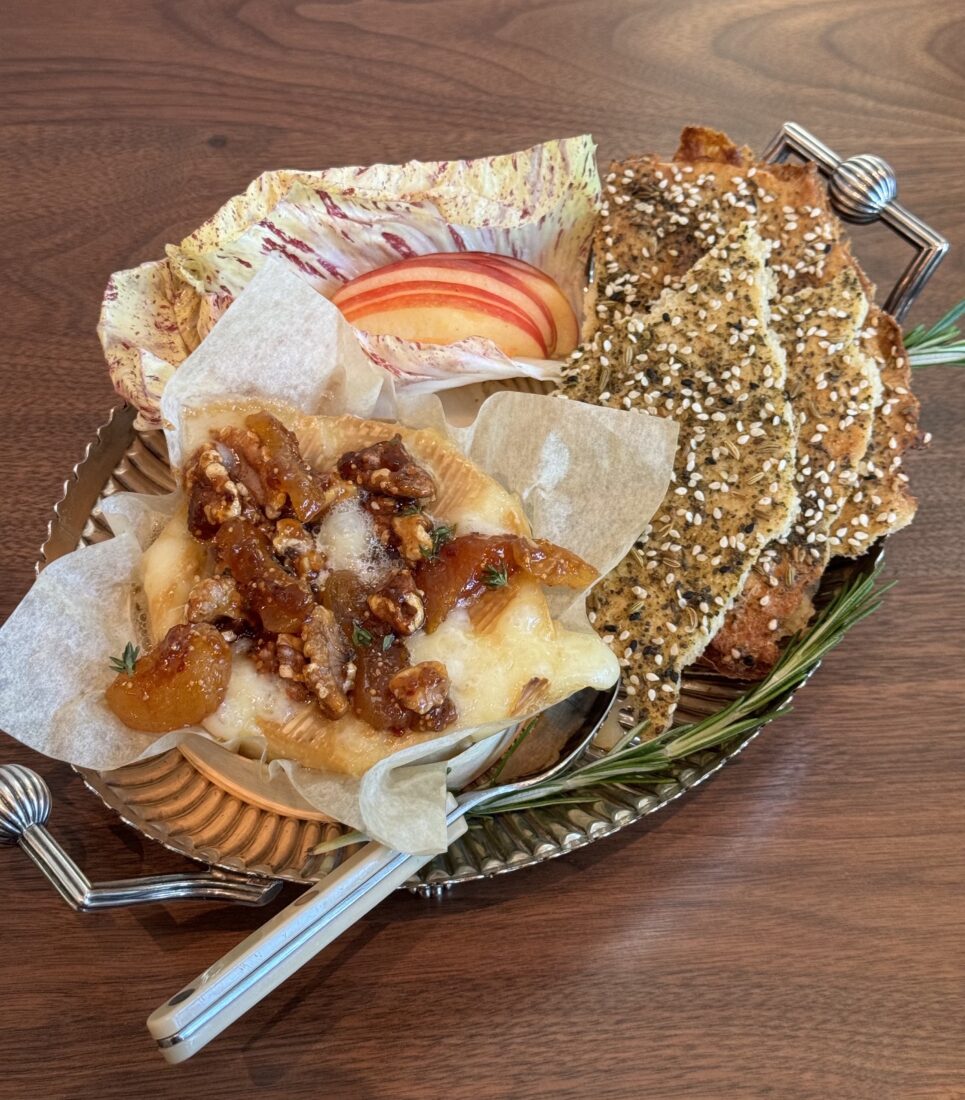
[(882, 501), (660, 217), (706, 356), (833, 387)]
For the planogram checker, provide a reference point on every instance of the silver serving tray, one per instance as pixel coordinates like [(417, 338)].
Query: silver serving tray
[(168, 799)]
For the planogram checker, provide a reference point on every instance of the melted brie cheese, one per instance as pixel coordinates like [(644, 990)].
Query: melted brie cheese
[(490, 671), (348, 539), (511, 660), (170, 568)]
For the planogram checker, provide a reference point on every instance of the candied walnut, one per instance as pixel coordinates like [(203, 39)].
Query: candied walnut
[(250, 461), (437, 719), (179, 683), (282, 602), (213, 498), (215, 598), (296, 547), (413, 532), (388, 468), (285, 470), (289, 658), (399, 603), (327, 672), (334, 489), (421, 688)]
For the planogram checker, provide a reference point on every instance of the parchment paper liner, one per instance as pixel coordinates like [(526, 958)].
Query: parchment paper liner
[(589, 479)]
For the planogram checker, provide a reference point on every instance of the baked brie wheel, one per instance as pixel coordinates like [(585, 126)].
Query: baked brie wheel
[(372, 589)]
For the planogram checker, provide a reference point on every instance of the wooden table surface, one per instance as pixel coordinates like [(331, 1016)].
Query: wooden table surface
[(795, 928)]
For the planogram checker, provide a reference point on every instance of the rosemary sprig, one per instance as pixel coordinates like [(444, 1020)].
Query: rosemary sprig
[(127, 662), (651, 760), (940, 345)]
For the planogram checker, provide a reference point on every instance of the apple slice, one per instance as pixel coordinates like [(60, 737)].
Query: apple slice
[(458, 270), (567, 325), (444, 318)]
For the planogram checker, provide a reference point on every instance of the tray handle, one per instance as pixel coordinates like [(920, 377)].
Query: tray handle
[(864, 189)]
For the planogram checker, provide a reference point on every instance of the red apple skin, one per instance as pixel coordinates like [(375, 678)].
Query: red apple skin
[(444, 318), (567, 325), (457, 294), (459, 269)]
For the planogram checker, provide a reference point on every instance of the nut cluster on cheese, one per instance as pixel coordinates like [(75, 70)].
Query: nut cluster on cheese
[(347, 605)]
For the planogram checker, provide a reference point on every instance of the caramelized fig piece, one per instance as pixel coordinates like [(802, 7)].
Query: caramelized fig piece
[(470, 566), (387, 468), (179, 683), (372, 699), (282, 602), (346, 597), (285, 470), (552, 565)]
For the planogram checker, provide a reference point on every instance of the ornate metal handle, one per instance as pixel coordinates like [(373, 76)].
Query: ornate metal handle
[(864, 189), (24, 808)]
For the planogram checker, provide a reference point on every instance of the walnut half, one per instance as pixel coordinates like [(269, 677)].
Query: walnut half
[(326, 650), (422, 687), (399, 603)]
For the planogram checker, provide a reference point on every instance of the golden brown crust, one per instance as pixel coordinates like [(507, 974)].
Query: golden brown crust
[(882, 502), (701, 143), (833, 388)]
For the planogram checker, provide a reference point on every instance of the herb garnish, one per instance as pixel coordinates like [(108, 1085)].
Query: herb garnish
[(387, 642), (495, 578), (638, 759), (127, 662), (411, 510), (940, 345), (440, 535), (360, 636)]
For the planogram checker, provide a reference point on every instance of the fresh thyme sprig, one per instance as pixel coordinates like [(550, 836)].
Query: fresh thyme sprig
[(651, 760), (441, 534), (495, 577), (127, 662), (940, 345)]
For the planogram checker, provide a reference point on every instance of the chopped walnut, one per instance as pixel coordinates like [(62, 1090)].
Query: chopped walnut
[(289, 658), (334, 490), (326, 674), (213, 498), (215, 598), (414, 534), (387, 467), (296, 547), (422, 687), (254, 458), (399, 603)]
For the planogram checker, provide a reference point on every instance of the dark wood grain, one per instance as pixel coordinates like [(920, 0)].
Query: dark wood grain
[(793, 930)]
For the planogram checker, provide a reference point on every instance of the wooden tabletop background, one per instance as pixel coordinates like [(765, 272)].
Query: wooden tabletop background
[(795, 928)]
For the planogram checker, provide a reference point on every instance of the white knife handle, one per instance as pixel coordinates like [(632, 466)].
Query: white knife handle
[(239, 980)]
